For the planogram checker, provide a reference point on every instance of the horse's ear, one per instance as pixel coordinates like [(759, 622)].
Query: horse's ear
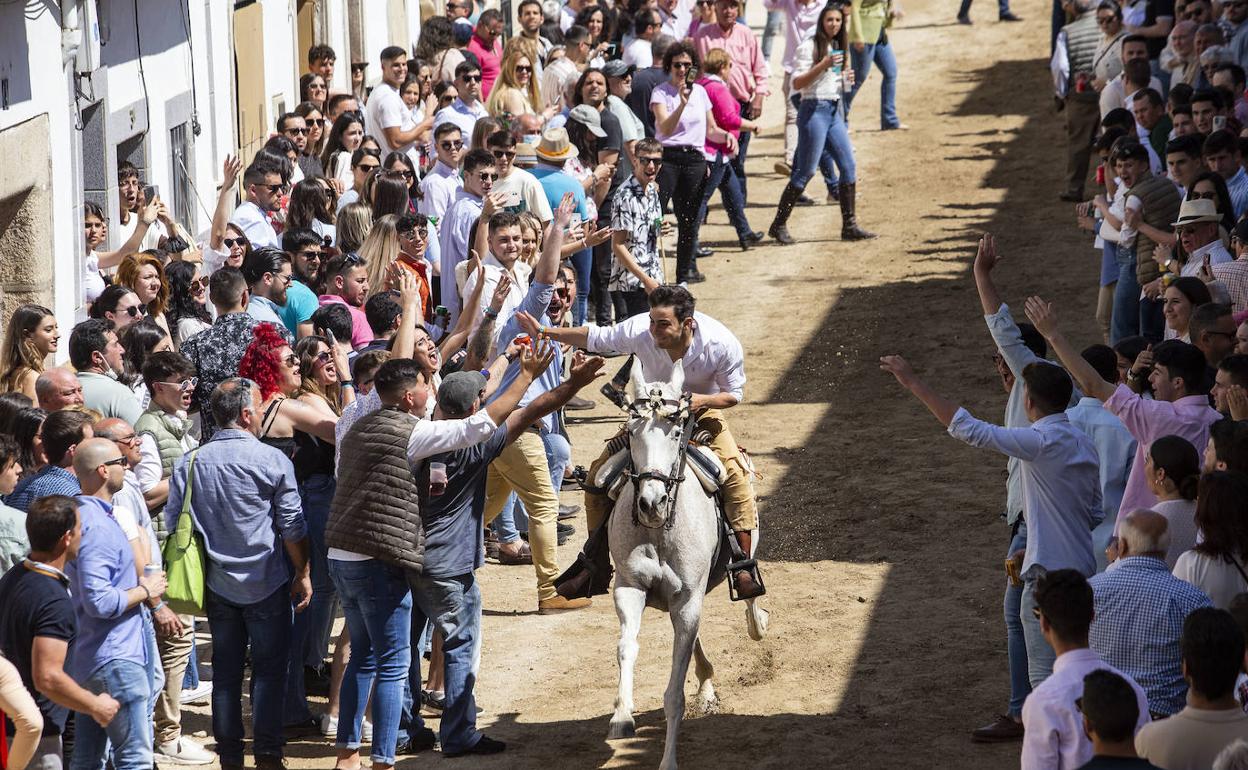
[(678, 376), (636, 381)]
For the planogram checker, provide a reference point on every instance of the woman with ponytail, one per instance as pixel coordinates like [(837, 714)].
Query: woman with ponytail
[(1172, 470)]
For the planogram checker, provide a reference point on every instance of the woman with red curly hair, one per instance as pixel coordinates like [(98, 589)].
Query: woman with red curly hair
[(273, 366)]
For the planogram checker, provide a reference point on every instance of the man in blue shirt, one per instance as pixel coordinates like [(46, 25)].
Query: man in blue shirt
[(62, 431), (1060, 478), (304, 248), (111, 650), (245, 504)]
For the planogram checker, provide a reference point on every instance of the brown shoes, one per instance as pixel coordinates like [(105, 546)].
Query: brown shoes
[(561, 604), (1002, 730)]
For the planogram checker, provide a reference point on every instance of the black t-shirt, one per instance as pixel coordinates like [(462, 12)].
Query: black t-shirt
[(614, 140), (453, 519), (644, 82), (1154, 9), (34, 604), (1118, 763)]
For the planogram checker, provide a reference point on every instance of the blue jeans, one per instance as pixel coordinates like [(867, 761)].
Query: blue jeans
[(1040, 655), (309, 637), (511, 521), (130, 732), (1125, 320), (738, 160), (378, 606), (190, 680), (1015, 643), (1003, 7), (775, 20), (583, 266), (724, 178), (821, 131), (454, 606), (882, 55), (265, 628)]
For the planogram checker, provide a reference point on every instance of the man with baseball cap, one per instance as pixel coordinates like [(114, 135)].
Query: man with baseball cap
[(445, 591)]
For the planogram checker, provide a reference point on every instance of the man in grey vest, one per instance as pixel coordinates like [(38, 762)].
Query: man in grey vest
[(376, 538), (1072, 79)]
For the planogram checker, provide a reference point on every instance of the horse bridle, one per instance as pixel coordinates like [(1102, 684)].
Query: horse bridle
[(683, 415)]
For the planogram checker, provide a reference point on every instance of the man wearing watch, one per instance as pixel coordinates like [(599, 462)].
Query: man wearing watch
[(111, 650)]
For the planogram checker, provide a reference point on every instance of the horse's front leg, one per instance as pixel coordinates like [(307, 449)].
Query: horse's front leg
[(629, 605), (685, 620)]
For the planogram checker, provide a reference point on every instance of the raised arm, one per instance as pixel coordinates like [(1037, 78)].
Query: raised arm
[(577, 336), (456, 338), (533, 361), (483, 338), (986, 259), (221, 215), (147, 216), (942, 408), (1044, 318), (585, 369), (547, 268)]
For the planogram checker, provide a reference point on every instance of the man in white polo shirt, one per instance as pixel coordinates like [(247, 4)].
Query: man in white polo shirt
[(388, 118)]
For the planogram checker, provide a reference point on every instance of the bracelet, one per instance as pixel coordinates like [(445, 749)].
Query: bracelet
[(490, 313), (346, 384), (541, 331), (158, 606), (146, 591)]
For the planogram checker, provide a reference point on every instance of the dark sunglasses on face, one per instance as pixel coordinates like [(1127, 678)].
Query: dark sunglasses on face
[(299, 131), (650, 161), (323, 357), (524, 68), (274, 189), (134, 311), (310, 255), (368, 168), (409, 176), (232, 242), (487, 176), (681, 65), (455, 145), (471, 78), (1207, 196), (122, 461), (198, 283), (500, 154), (291, 361)]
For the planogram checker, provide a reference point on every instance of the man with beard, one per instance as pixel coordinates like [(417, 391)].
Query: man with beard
[(268, 274), (304, 248), (346, 283)]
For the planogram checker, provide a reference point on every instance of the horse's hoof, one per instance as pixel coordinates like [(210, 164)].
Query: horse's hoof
[(756, 619), (620, 730), (708, 706)]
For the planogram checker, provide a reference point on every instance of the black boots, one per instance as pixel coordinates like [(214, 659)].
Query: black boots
[(850, 231), (788, 199)]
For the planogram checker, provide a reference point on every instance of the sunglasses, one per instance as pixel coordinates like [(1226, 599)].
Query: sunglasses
[(310, 255), (681, 65), (122, 461), (650, 161), (456, 145), (524, 68), (322, 358), (274, 189), (351, 260), (1206, 196), (134, 311), (409, 176), (232, 242), (291, 361), (198, 283), (130, 440), (423, 232), (471, 78), (299, 131), (500, 154), (183, 386), (368, 168), (487, 176)]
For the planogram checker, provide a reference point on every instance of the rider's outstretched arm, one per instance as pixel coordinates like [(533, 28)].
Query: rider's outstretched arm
[(577, 336)]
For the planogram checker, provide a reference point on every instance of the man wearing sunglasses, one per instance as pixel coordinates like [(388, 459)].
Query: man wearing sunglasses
[(294, 127), (264, 186), (442, 184), (522, 190), (268, 275), (467, 109), (475, 201)]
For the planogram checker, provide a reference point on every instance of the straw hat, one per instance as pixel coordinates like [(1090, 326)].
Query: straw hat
[(555, 145), (1197, 210)]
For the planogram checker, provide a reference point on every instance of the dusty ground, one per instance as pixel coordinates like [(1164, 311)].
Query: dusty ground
[(881, 537)]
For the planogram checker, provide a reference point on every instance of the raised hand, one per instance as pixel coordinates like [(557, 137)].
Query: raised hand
[(529, 324), (563, 214), (501, 290), (585, 369), (986, 257), (230, 170), (536, 357), (899, 368), (1042, 315)]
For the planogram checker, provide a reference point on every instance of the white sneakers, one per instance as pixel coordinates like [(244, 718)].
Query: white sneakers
[(183, 751), (329, 728), (198, 695)]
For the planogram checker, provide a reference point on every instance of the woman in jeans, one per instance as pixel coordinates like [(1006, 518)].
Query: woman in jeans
[(727, 114), (820, 75), (682, 123)]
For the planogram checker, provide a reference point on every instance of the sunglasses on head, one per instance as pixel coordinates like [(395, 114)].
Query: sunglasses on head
[(232, 242)]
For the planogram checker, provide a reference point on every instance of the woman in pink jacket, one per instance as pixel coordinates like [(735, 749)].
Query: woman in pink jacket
[(727, 114)]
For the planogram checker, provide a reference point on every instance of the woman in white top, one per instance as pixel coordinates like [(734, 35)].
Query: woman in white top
[(1172, 471), (1216, 566), (819, 73), (344, 138)]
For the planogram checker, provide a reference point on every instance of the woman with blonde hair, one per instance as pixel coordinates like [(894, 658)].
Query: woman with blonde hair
[(530, 238), (354, 221), (516, 90), (31, 337), (379, 251), (145, 275)]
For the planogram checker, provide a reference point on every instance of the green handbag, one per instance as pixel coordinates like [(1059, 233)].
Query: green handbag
[(185, 563)]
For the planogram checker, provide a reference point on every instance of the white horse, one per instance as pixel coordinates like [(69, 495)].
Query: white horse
[(662, 549)]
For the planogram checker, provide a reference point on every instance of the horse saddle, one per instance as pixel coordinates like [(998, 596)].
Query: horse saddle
[(706, 467)]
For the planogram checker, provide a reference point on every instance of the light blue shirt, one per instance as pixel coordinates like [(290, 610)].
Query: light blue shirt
[(1237, 186), (1060, 477), (265, 310), (1115, 446), (245, 503), (462, 115), (454, 246), (535, 303), (301, 303), (99, 580), (1009, 341)]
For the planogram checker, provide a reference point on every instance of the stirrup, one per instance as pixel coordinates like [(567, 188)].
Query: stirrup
[(749, 566)]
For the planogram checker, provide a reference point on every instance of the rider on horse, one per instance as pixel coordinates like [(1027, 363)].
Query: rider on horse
[(714, 370)]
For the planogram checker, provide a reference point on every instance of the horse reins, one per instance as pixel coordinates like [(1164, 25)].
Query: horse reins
[(671, 481)]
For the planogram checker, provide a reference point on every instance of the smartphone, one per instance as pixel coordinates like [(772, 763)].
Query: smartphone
[(1219, 122), (691, 77), (511, 199), (151, 192), (574, 221)]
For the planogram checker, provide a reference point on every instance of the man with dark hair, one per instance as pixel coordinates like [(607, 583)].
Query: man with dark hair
[(334, 319), (339, 104), (1054, 735), (305, 250), (521, 190), (468, 107), (646, 27), (1213, 653), (501, 261), (321, 59), (1152, 206), (1115, 447), (268, 273), (165, 428), (1232, 374), (217, 351), (442, 184), (560, 75), (294, 127), (37, 625), (1111, 716), (245, 504), (346, 284), (1183, 161), (95, 352), (62, 432), (1227, 448), (1184, 125), (644, 82), (475, 201), (487, 45), (1060, 480), (1222, 155), (1212, 331), (1140, 609), (1230, 77), (636, 214), (1206, 104), (1150, 114), (263, 185), (1179, 405), (388, 118), (383, 313)]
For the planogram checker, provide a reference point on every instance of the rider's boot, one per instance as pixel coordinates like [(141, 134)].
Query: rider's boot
[(743, 577)]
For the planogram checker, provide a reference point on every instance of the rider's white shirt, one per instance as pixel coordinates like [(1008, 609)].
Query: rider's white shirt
[(714, 362)]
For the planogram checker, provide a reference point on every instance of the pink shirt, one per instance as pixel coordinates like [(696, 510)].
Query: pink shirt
[(489, 59), (726, 111), (361, 332), (749, 72), (1148, 420)]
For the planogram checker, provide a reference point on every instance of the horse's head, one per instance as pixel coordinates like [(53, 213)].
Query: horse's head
[(657, 414)]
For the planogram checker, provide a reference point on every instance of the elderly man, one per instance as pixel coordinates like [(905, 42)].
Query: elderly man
[(1212, 329), (747, 79), (1140, 609), (246, 506), (1072, 66), (58, 388), (111, 650)]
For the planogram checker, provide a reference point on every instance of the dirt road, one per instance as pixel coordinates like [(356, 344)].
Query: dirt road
[(882, 540)]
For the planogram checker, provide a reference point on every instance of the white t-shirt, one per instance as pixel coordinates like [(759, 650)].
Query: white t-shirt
[(385, 109), (1220, 580), (532, 197), (638, 54), (1127, 234)]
